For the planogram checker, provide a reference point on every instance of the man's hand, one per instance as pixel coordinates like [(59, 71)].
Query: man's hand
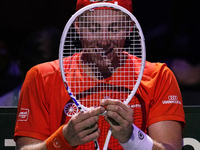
[(120, 118), (83, 127)]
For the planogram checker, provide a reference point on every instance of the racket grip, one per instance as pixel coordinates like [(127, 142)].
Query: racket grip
[(96, 144)]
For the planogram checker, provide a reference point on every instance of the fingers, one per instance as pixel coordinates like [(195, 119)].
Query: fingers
[(87, 114), (111, 121), (82, 137), (85, 123), (120, 118), (118, 110), (89, 133), (83, 127)]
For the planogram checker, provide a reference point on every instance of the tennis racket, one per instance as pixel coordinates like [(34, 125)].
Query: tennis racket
[(102, 56)]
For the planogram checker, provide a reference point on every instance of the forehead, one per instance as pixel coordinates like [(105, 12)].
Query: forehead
[(102, 15)]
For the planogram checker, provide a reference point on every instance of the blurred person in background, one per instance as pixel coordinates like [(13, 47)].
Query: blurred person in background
[(41, 46), (173, 38), (183, 39), (9, 72), (185, 43)]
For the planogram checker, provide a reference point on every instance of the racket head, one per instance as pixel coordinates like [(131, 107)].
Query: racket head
[(86, 86), (74, 33)]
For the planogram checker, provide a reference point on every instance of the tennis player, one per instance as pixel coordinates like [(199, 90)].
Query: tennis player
[(48, 119)]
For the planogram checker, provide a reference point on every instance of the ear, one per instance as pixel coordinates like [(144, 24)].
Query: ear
[(131, 28), (76, 25)]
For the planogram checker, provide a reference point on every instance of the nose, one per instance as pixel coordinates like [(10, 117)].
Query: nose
[(104, 40), (104, 43)]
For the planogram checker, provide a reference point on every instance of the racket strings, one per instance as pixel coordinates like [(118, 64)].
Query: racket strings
[(105, 67)]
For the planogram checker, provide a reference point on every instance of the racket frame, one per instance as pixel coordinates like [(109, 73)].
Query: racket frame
[(66, 29)]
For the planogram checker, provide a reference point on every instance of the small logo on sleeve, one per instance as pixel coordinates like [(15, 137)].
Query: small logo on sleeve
[(23, 114), (172, 99)]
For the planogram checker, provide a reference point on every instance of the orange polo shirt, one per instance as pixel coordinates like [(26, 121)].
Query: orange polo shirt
[(45, 105)]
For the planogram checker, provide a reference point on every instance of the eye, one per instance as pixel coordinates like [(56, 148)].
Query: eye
[(93, 27), (116, 27)]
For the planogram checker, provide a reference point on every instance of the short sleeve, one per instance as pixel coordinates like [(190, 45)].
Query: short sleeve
[(32, 102), (167, 101)]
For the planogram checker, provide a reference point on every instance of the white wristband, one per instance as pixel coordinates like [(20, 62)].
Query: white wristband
[(138, 141)]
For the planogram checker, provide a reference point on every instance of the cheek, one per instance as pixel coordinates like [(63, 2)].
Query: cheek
[(87, 40), (88, 43), (119, 39), (93, 43), (90, 40), (119, 43)]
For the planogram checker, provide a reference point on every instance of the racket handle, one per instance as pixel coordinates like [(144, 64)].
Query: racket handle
[(96, 144)]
